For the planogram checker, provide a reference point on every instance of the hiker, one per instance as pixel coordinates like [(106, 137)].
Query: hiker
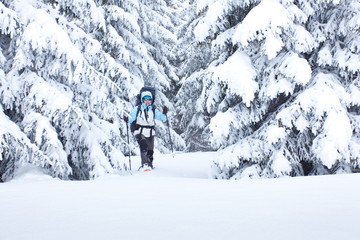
[(142, 118)]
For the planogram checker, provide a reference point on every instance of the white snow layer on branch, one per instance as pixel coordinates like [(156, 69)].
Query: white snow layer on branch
[(8, 21), (103, 158), (215, 19), (86, 12), (269, 18), (117, 14), (296, 68), (44, 96), (274, 134), (291, 71), (304, 41), (202, 4), (280, 165), (43, 35), (325, 102), (238, 74), (221, 125), (347, 61), (212, 22), (355, 94), (268, 21)]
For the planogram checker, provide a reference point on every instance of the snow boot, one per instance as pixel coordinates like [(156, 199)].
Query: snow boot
[(150, 162), (145, 168)]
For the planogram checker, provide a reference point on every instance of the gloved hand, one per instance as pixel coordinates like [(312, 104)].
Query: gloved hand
[(126, 118), (165, 110)]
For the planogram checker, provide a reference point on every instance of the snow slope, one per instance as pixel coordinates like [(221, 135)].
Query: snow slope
[(178, 201)]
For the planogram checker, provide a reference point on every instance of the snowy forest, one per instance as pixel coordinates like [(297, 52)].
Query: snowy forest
[(272, 86)]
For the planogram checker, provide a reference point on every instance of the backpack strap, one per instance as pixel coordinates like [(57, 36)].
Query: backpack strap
[(152, 107), (151, 127), (138, 110)]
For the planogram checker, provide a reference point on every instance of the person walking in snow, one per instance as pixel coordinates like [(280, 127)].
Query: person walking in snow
[(142, 120)]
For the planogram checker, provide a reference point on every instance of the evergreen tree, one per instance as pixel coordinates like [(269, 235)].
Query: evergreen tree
[(193, 58), (68, 72), (278, 92)]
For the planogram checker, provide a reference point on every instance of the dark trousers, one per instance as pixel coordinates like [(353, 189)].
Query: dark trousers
[(146, 149)]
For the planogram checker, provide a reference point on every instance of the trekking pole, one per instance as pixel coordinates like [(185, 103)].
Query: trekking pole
[(171, 144), (127, 130)]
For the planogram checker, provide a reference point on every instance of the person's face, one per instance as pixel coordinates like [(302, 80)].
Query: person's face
[(147, 101)]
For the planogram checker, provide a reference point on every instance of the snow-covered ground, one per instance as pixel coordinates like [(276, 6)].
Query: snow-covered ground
[(178, 201)]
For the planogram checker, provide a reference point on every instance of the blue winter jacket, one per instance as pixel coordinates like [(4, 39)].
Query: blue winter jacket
[(158, 115)]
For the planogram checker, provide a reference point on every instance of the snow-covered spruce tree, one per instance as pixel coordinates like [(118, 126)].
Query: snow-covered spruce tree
[(139, 35), (280, 93), (16, 149), (157, 21), (67, 75), (193, 58), (57, 96)]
